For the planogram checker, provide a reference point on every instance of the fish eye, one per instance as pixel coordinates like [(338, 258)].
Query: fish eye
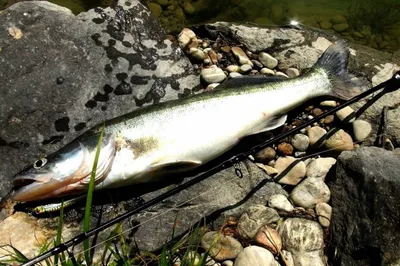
[(39, 163)]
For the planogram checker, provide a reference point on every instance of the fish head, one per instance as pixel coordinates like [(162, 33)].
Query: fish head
[(65, 172)]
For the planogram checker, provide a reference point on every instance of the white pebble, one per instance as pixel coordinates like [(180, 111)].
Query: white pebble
[(267, 71), (328, 103), (267, 60), (292, 72), (361, 129), (324, 213), (234, 75), (278, 73), (345, 112), (233, 68), (212, 74), (280, 203), (245, 68)]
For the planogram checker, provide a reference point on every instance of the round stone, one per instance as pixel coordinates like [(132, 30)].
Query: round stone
[(234, 75), (197, 54), (221, 247), (267, 60), (317, 112), (310, 192), (245, 68), (300, 142), (267, 71), (269, 238), (212, 74), (319, 167), (280, 203), (255, 256), (340, 141), (328, 103), (343, 113), (324, 213), (265, 155), (241, 56), (315, 133), (233, 68), (338, 19), (285, 148), (292, 72), (340, 27), (255, 217), (295, 174), (361, 129), (325, 25)]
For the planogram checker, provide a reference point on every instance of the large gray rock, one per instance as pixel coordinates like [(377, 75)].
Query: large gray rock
[(366, 207), (68, 73)]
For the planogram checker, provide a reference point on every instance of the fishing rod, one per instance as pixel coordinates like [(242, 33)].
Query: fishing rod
[(390, 85)]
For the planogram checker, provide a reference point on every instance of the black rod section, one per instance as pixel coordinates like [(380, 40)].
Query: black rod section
[(389, 85)]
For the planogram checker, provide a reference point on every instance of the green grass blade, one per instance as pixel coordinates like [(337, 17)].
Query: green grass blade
[(59, 230), (86, 222)]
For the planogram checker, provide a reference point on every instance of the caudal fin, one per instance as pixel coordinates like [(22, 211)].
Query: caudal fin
[(334, 62)]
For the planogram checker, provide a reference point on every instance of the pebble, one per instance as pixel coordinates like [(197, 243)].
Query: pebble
[(227, 263), (267, 60), (268, 169), (245, 68), (285, 148), (255, 256), (197, 54), (233, 68), (294, 176), (329, 119), (185, 37), (315, 133), (325, 25), (234, 75), (345, 112), (211, 86), (361, 129), (255, 217), (213, 56), (212, 74), (267, 71), (341, 27), (317, 112), (288, 257), (324, 213), (226, 49), (319, 168), (300, 142), (156, 9), (221, 247), (299, 154), (269, 238), (278, 73), (340, 141), (280, 203), (292, 72), (338, 19), (193, 257), (257, 63), (241, 56), (265, 155), (310, 192), (328, 103)]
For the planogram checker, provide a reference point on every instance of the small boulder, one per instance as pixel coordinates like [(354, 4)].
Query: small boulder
[(255, 217), (280, 203), (340, 141), (294, 175)]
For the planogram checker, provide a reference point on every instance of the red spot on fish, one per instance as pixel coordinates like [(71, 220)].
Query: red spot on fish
[(264, 114)]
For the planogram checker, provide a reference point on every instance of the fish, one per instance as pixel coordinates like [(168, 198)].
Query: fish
[(180, 135)]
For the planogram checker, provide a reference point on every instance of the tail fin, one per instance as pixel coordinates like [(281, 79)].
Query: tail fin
[(334, 62)]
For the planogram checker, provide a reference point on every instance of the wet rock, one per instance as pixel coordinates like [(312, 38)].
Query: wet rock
[(300, 142), (93, 59), (343, 113), (197, 54), (255, 256), (361, 129), (304, 240), (328, 103), (280, 203), (325, 25), (340, 141), (155, 9), (221, 247), (241, 56), (310, 192), (269, 238), (338, 19), (292, 72), (213, 74), (319, 167), (265, 155), (324, 213), (340, 27), (315, 133), (267, 60), (366, 207), (294, 175), (255, 217), (285, 148)]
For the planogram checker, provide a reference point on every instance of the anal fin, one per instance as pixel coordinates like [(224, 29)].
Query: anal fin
[(273, 123)]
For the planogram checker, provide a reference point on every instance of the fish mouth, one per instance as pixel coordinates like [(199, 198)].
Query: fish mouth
[(38, 185)]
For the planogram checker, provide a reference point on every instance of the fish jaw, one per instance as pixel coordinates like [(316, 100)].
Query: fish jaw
[(68, 173)]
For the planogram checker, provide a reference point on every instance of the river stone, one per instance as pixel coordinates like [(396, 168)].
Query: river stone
[(325, 25), (319, 167), (366, 207), (292, 72), (267, 71), (315, 133), (289, 258), (255, 256), (241, 56), (310, 192), (221, 247), (340, 141), (304, 239), (39, 114), (269, 238), (265, 155), (328, 103), (155, 9), (267, 60), (324, 213), (213, 74), (338, 19), (300, 142), (255, 217), (361, 129), (341, 27), (280, 203), (343, 113), (294, 175)]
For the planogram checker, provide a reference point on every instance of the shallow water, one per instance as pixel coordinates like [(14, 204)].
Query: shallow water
[(363, 21)]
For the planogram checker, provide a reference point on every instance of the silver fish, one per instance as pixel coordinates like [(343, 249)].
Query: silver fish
[(180, 135)]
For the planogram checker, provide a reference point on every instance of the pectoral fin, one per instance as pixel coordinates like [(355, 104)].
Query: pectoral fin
[(274, 122), (175, 166)]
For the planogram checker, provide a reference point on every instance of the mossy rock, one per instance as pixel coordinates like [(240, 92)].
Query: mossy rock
[(340, 27), (366, 31), (188, 8), (325, 25), (338, 19), (264, 21), (278, 13), (357, 34), (180, 15)]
